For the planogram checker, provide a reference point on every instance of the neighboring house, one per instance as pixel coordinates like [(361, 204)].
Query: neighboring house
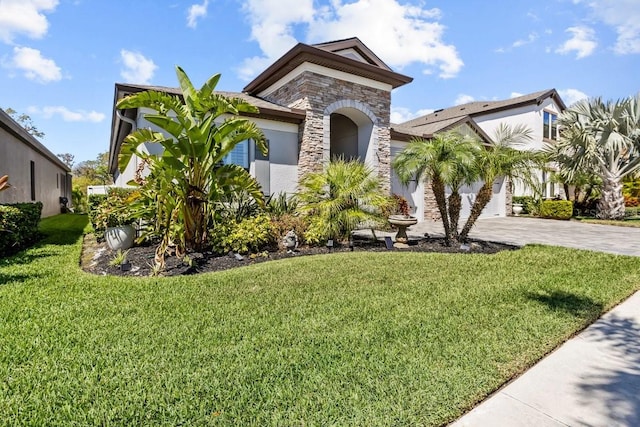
[(325, 100), (35, 173), (538, 111)]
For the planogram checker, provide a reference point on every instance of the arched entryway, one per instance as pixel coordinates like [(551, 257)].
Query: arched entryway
[(350, 132)]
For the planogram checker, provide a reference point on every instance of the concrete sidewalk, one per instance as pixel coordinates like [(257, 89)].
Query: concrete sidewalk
[(591, 380)]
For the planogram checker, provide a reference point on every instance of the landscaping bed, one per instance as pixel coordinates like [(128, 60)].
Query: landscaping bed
[(97, 257)]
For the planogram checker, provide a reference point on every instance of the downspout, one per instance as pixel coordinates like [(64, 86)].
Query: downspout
[(134, 127)]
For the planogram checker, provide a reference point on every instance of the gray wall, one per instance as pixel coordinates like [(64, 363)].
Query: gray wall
[(52, 179)]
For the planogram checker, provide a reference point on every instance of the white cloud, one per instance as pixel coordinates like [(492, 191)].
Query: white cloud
[(196, 11), (68, 115), (624, 17), (34, 65), (530, 39), (400, 34), (138, 69), (582, 42), (272, 23), (463, 99), (24, 17), (570, 96), (402, 114), (515, 94)]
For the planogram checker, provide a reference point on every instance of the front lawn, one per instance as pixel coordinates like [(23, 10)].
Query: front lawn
[(343, 339)]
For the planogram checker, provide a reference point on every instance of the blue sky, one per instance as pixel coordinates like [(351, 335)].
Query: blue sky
[(59, 59)]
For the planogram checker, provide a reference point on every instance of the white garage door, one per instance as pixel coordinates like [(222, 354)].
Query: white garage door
[(496, 207)]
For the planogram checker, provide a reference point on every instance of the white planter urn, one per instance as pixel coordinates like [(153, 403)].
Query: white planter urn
[(517, 209), (120, 237)]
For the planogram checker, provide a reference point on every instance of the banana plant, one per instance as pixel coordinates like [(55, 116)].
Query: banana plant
[(4, 182), (188, 180)]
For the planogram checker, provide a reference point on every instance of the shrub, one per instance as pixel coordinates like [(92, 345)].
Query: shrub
[(18, 226), (111, 209), (281, 204), (631, 201), (529, 204), (556, 209), (248, 235), (282, 224)]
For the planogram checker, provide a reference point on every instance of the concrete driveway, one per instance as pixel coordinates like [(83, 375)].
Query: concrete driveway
[(573, 234)]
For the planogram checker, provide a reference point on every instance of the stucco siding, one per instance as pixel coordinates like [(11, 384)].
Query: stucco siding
[(50, 178)]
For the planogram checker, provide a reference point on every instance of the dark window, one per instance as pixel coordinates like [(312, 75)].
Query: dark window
[(33, 180), (239, 155), (57, 180), (550, 126)]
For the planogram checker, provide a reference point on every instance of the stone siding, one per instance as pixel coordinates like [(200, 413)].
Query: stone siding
[(314, 93)]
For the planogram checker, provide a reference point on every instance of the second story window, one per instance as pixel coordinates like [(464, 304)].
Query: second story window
[(550, 126)]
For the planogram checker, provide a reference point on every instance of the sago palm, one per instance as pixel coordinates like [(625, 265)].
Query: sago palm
[(188, 179), (338, 199), (602, 138), (446, 160)]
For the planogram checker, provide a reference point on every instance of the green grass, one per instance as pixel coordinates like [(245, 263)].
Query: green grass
[(342, 339), (630, 222)]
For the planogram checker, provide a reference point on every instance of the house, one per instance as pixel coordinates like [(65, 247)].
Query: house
[(334, 99), (35, 173), (538, 111)]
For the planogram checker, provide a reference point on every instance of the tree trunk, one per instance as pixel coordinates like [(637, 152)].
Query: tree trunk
[(438, 191), (482, 198), (611, 203), (455, 206)]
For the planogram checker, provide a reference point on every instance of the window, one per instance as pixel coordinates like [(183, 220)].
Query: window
[(32, 165), (239, 155), (550, 126)]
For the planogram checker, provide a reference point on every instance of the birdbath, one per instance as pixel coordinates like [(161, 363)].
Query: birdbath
[(402, 222)]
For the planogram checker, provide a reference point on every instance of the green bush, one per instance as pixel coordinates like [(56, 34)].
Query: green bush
[(111, 209), (530, 205), (556, 209), (249, 235), (18, 226)]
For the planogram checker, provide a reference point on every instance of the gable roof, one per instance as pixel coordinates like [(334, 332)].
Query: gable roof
[(405, 133), (327, 55), (477, 108), (11, 126)]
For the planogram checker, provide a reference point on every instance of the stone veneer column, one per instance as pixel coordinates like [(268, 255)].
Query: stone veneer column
[(315, 93), (509, 197), (431, 211)]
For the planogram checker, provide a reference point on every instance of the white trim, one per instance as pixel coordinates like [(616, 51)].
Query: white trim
[(324, 71)]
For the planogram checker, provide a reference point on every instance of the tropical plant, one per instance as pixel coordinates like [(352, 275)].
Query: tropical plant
[(188, 182), (343, 196), (502, 159), (602, 138), (4, 182), (446, 160), (281, 204)]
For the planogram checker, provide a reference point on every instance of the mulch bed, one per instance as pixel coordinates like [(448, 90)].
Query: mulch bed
[(97, 256)]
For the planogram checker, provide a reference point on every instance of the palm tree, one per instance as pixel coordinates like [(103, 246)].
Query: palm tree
[(501, 159), (338, 199), (188, 181), (602, 138), (446, 160)]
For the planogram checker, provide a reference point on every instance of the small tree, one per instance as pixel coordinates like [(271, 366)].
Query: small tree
[(502, 159), (188, 182), (446, 160), (338, 199), (25, 121), (601, 138)]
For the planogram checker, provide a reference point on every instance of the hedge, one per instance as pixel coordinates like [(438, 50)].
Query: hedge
[(18, 226), (556, 209)]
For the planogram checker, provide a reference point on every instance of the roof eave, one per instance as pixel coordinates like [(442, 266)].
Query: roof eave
[(301, 53)]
